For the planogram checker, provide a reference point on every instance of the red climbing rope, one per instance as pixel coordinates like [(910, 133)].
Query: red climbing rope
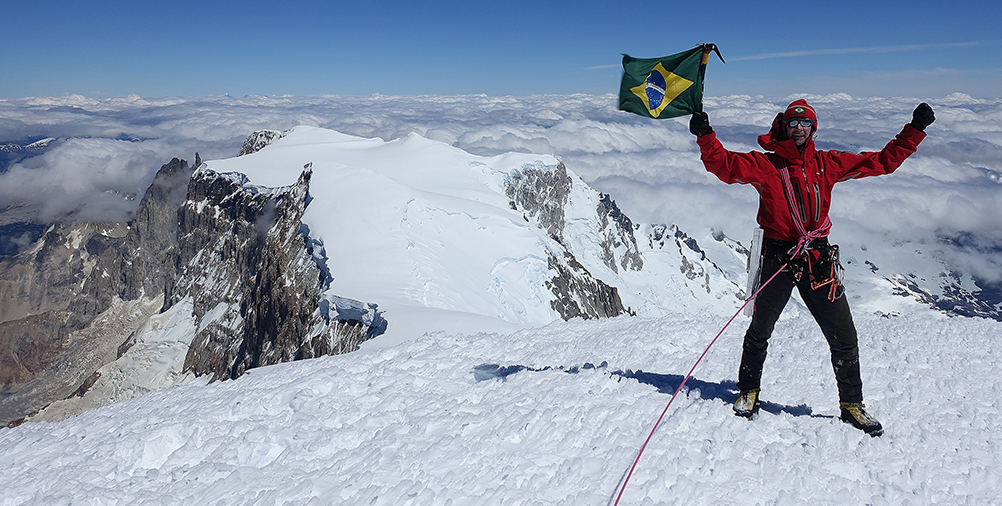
[(804, 240)]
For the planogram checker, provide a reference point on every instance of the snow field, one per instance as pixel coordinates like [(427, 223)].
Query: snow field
[(427, 205), (411, 424)]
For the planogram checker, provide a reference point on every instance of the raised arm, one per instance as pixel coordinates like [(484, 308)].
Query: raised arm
[(728, 166), (887, 160)]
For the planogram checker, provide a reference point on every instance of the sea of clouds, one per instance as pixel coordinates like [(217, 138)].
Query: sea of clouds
[(946, 200)]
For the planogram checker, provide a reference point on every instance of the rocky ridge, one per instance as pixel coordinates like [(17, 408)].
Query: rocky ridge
[(244, 259), (75, 301), (542, 197)]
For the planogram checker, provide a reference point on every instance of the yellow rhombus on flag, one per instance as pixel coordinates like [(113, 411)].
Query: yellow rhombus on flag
[(660, 88)]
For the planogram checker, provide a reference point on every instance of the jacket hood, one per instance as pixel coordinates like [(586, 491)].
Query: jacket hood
[(777, 141)]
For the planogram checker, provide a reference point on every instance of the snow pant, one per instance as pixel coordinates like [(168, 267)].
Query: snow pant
[(834, 318)]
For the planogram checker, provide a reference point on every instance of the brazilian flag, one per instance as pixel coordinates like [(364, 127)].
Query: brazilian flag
[(663, 87)]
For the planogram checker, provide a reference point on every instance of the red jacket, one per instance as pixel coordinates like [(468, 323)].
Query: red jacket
[(812, 174)]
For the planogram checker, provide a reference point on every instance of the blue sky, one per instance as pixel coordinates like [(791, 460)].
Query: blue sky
[(515, 47)]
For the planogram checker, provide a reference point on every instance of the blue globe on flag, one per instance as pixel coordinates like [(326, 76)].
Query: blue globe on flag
[(655, 89)]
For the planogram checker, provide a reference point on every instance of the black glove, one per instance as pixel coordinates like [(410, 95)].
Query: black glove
[(699, 125), (923, 116)]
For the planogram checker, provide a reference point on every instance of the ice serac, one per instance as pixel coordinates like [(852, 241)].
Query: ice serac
[(246, 261)]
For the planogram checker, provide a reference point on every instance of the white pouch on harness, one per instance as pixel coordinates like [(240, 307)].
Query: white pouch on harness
[(754, 268)]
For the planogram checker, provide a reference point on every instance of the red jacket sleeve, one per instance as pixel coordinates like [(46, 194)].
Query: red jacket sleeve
[(851, 165), (731, 167)]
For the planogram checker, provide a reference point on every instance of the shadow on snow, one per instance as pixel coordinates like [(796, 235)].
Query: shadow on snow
[(726, 391)]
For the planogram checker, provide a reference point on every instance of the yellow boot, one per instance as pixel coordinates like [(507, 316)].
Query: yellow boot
[(747, 403), (855, 413)]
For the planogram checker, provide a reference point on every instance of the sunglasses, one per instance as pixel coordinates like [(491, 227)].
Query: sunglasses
[(804, 122)]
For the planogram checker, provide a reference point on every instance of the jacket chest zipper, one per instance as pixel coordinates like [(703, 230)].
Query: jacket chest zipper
[(807, 202), (817, 203), (802, 203)]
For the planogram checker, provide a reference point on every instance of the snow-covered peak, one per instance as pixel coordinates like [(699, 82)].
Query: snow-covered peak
[(441, 239)]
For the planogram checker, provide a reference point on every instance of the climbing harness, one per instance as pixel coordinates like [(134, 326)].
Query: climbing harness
[(804, 257)]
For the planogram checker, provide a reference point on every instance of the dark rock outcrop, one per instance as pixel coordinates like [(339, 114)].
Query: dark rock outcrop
[(578, 294), (616, 230), (52, 295), (256, 287), (28, 346), (239, 251), (542, 194), (50, 291), (954, 299), (259, 140), (153, 235)]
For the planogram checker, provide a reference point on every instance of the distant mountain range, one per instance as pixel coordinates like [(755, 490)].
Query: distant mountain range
[(12, 152)]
